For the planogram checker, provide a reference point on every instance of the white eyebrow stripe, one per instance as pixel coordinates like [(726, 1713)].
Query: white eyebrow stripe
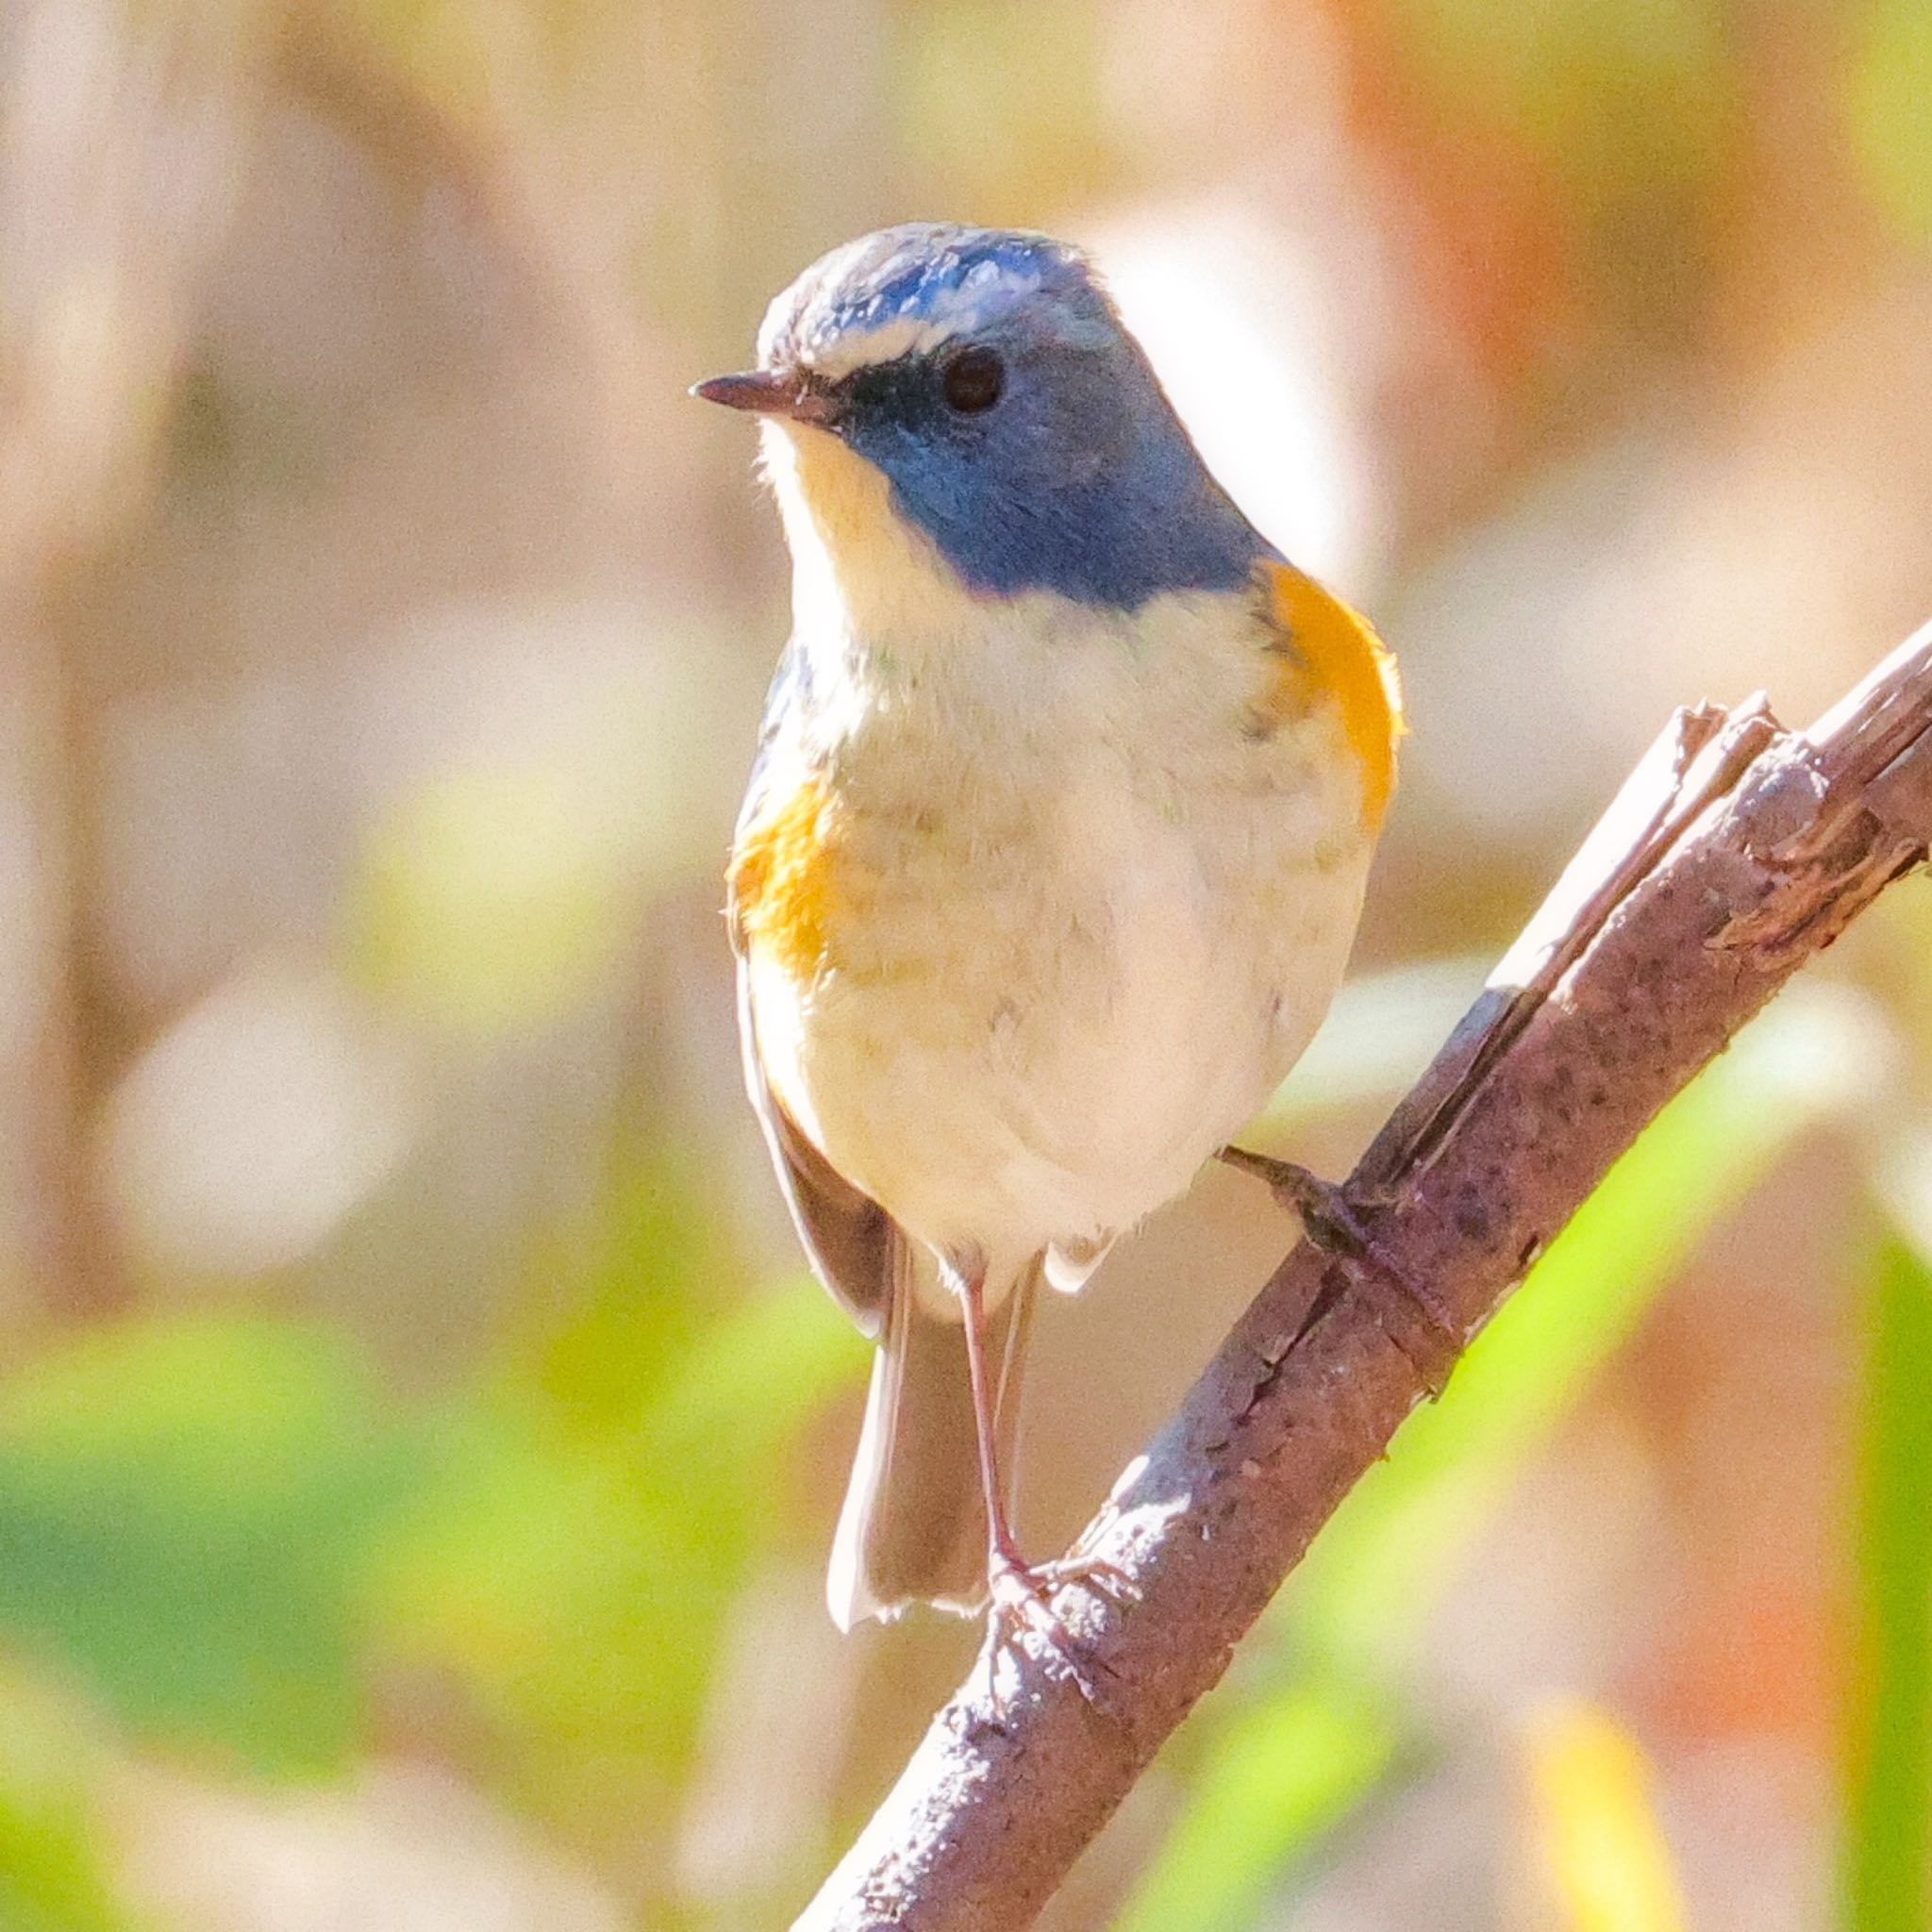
[(862, 348), (833, 351)]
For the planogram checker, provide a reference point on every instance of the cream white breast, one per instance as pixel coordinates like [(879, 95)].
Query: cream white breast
[(1082, 911)]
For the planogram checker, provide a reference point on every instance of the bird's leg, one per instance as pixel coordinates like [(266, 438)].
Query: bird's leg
[(1332, 1225), (1020, 1592), (1002, 1552)]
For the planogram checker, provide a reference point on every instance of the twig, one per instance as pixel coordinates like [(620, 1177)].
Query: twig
[(1735, 851)]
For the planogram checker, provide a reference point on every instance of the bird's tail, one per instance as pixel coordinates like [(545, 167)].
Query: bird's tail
[(914, 1528)]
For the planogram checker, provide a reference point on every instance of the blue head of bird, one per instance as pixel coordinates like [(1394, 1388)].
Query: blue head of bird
[(960, 410)]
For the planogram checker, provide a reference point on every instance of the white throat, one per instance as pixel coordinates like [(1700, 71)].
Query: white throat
[(859, 570)]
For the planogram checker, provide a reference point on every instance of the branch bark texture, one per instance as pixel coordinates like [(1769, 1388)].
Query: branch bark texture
[(1735, 851)]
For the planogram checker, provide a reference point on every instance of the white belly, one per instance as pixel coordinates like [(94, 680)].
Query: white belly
[(1052, 1002)]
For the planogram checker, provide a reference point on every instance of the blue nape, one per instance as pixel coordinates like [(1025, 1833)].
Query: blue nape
[(1080, 480)]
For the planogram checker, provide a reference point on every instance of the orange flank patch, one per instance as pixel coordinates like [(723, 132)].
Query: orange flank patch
[(1330, 650), (781, 879)]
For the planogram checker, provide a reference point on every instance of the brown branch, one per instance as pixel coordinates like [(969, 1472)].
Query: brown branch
[(1735, 851)]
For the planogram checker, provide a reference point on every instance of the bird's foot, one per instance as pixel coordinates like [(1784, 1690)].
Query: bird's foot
[(1101, 1573), (1332, 1224), (1023, 1593)]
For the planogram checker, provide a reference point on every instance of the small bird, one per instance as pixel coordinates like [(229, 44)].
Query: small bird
[(1054, 848)]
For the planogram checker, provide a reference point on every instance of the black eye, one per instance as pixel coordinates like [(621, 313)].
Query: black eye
[(972, 381)]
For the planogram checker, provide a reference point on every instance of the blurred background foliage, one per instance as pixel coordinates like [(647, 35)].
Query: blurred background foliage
[(419, 1443)]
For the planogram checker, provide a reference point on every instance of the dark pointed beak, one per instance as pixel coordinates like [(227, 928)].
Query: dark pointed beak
[(769, 392)]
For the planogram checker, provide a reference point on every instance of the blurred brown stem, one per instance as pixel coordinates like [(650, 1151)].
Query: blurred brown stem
[(121, 136), (1735, 851)]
